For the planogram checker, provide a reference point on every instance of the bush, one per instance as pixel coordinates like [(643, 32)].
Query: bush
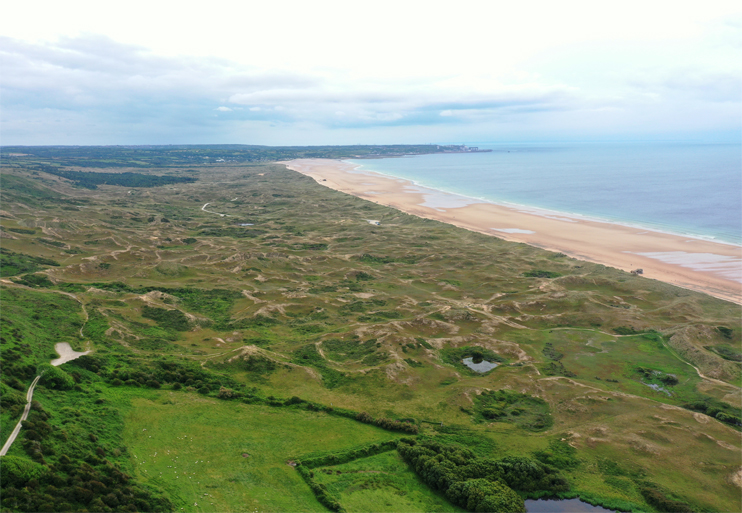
[(441, 466), (54, 377), (485, 495), (168, 319), (661, 502), (538, 273), (18, 471)]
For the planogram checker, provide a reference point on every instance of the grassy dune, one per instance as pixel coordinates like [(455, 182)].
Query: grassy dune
[(291, 292)]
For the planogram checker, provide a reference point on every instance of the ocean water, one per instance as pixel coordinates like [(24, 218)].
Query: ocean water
[(688, 189)]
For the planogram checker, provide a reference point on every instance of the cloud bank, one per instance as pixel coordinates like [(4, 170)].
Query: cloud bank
[(88, 88)]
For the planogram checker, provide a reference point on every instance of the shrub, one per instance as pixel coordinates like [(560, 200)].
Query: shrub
[(661, 502), (18, 471), (485, 495), (54, 377), (538, 273), (168, 319)]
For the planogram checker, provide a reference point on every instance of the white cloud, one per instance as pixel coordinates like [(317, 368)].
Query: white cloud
[(541, 66)]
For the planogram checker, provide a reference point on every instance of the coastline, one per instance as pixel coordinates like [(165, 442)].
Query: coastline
[(714, 268)]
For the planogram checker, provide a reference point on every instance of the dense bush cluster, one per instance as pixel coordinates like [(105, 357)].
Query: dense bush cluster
[(12, 263), (726, 352), (373, 259), (539, 273), (479, 484), (651, 376), (54, 377), (69, 471), (661, 501), (167, 319), (524, 410), (34, 281), (719, 410), (485, 495), (388, 424), (91, 180)]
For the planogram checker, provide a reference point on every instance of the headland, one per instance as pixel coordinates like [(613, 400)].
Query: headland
[(692, 263)]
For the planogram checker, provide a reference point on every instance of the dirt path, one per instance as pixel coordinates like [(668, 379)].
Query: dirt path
[(66, 354), (14, 434), (210, 212)]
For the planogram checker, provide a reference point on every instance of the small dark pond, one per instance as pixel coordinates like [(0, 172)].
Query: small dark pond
[(481, 366), (565, 506)]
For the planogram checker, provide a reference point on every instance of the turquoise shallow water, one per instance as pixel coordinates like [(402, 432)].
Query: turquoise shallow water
[(687, 189)]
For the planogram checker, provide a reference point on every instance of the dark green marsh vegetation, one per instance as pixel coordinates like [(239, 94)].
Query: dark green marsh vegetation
[(222, 353)]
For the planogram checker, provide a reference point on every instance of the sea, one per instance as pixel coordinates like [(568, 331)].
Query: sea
[(694, 190)]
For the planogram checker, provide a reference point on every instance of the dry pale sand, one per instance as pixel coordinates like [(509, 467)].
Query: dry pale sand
[(697, 264), (66, 353)]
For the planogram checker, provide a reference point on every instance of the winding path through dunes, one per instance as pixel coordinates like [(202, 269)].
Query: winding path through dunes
[(66, 354), (210, 212)]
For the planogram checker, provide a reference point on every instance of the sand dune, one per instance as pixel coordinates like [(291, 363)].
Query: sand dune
[(697, 264)]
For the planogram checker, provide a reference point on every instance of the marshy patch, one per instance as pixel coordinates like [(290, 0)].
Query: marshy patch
[(524, 410)]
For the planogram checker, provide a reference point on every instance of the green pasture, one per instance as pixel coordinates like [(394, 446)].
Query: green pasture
[(384, 483), (227, 456)]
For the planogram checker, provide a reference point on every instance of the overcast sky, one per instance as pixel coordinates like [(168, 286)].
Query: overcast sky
[(327, 72)]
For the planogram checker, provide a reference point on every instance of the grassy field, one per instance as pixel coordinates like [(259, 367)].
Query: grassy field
[(291, 293), (232, 458), (384, 481)]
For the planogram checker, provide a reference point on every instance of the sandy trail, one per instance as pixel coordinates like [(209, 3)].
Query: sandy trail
[(210, 212), (67, 354), (14, 434), (697, 264)]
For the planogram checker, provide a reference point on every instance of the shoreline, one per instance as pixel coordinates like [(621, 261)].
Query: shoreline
[(698, 264), (539, 210)]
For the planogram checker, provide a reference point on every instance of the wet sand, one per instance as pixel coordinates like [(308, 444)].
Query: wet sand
[(696, 264)]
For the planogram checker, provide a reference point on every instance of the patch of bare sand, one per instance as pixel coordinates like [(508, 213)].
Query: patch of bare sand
[(66, 353)]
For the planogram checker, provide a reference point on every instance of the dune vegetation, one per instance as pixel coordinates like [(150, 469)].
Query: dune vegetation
[(274, 351)]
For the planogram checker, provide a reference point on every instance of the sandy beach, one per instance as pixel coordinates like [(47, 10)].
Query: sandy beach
[(696, 264)]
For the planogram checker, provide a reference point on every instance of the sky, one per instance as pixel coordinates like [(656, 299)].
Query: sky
[(381, 72)]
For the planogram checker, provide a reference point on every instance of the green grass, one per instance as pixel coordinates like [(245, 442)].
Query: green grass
[(200, 444), (523, 410), (316, 282), (383, 483)]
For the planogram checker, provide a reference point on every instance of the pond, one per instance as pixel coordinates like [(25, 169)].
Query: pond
[(480, 366), (563, 506)]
